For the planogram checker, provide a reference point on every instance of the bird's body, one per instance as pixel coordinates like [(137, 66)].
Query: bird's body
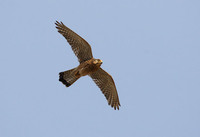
[(88, 66)]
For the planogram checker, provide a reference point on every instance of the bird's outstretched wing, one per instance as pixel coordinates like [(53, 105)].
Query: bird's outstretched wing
[(80, 47), (105, 82)]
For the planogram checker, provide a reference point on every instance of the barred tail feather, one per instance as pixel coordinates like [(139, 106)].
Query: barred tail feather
[(68, 77)]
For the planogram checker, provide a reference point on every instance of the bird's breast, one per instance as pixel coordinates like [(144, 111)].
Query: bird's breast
[(88, 69)]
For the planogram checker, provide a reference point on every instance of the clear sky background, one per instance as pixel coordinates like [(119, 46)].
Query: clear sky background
[(150, 47)]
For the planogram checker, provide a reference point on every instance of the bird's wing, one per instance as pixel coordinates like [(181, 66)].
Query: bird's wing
[(105, 82), (80, 47)]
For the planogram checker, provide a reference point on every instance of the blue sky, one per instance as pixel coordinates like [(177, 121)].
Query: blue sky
[(151, 48)]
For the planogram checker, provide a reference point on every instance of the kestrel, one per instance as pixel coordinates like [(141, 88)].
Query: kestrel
[(88, 66)]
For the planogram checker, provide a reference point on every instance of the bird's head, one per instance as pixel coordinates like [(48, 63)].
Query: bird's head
[(97, 62)]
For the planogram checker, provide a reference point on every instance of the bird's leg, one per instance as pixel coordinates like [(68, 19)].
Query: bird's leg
[(77, 74)]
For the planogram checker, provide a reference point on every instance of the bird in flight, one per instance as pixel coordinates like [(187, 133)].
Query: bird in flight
[(88, 66)]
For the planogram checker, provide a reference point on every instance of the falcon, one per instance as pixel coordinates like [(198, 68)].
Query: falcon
[(88, 66)]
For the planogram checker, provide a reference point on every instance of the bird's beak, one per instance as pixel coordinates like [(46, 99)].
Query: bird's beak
[(101, 61)]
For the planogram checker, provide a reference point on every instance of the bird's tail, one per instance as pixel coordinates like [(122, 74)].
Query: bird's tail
[(68, 77)]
